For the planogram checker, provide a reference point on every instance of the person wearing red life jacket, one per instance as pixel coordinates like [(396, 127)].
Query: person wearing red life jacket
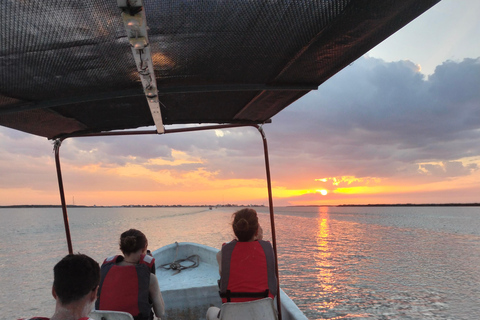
[(246, 264), (128, 282), (75, 285)]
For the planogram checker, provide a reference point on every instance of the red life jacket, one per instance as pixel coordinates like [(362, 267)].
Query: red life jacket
[(125, 288), (43, 318), (248, 271)]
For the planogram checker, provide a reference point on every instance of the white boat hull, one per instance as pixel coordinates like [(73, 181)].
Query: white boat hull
[(189, 293)]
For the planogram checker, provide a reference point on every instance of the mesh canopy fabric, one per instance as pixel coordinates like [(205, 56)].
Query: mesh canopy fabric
[(66, 66)]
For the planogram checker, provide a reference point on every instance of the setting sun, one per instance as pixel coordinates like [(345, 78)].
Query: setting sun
[(323, 192)]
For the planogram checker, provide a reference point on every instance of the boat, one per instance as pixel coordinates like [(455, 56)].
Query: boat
[(111, 68), (190, 291)]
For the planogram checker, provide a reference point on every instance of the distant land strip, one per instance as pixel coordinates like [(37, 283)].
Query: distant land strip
[(249, 205), (131, 206), (399, 205)]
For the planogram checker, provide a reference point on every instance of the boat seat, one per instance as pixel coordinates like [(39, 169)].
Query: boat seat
[(110, 315), (262, 309)]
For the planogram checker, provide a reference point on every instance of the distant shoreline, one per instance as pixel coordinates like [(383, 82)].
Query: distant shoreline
[(250, 205), (130, 206), (399, 205)]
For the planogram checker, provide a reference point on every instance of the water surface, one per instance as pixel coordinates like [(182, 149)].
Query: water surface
[(335, 263)]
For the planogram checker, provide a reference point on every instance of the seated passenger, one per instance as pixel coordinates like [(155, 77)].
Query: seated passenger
[(75, 286), (246, 264), (128, 283)]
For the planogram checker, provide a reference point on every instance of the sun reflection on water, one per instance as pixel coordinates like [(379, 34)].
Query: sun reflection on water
[(323, 260)]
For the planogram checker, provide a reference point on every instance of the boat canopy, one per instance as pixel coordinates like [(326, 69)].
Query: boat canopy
[(66, 67)]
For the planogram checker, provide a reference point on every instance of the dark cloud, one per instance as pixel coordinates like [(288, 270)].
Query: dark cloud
[(375, 118)]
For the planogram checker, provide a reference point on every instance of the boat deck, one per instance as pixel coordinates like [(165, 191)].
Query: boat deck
[(189, 293), (204, 275)]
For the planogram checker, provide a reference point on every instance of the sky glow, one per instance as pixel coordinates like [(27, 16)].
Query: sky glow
[(399, 125)]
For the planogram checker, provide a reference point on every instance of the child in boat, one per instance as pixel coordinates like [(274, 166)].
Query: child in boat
[(128, 283), (246, 264), (75, 286)]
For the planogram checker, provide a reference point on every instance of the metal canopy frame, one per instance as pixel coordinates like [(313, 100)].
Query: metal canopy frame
[(232, 65), (58, 143)]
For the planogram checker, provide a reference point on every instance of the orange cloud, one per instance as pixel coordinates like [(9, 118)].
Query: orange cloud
[(336, 181)]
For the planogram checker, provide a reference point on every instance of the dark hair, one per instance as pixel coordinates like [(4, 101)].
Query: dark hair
[(75, 276), (245, 224), (132, 240)]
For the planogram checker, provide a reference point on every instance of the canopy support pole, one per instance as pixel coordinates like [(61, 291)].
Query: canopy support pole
[(272, 218), (56, 147)]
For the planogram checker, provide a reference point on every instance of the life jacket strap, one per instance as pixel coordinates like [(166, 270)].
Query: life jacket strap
[(228, 295)]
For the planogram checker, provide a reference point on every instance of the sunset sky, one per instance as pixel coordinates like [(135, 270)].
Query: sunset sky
[(399, 125)]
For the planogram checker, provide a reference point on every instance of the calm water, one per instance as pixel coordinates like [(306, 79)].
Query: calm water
[(335, 263)]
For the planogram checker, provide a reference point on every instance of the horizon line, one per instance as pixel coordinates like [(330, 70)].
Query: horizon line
[(470, 204)]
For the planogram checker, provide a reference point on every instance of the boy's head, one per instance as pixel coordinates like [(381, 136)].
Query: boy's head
[(75, 276)]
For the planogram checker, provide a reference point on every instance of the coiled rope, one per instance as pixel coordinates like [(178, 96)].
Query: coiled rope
[(177, 264)]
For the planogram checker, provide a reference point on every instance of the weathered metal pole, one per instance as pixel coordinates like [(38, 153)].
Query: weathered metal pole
[(56, 147), (272, 217)]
